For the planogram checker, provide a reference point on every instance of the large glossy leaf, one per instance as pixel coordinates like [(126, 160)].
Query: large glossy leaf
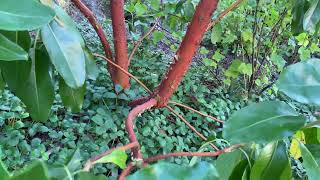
[(91, 66), (262, 122), (168, 171), (65, 52), (72, 165), (301, 81), (225, 169), (72, 98), (271, 163), (312, 16), (4, 174), (10, 51), (314, 150), (34, 171), (309, 163), (18, 15), (35, 89), (300, 7)]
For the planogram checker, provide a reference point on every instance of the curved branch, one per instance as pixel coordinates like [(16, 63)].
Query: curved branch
[(223, 13), (126, 171), (92, 160), (199, 154), (98, 28), (124, 71), (130, 125), (190, 126), (196, 111), (138, 43)]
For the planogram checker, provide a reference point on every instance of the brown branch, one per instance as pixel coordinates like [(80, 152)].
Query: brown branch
[(98, 28), (126, 171), (199, 154), (124, 71), (138, 43), (130, 125), (190, 126), (224, 13), (92, 160), (120, 42), (196, 111)]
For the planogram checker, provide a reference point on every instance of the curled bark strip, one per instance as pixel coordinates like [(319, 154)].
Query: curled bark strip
[(126, 171), (120, 42), (98, 28), (92, 160), (191, 127), (199, 154), (130, 125), (186, 51), (124, 71), (196, 111), (223, 13)]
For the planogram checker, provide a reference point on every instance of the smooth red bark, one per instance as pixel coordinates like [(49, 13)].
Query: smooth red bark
[(185, 53), (120, 42)]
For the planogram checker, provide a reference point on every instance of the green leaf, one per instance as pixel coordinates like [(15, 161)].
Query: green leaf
[(4, 174), (91, 66), (155, 4), (140, 9), (2, 82), (65, 51), (309, 163), (314, 150), (301, 81), (10, 51), (312, 16), (17, 15), (157, 36), (312, 135), (295, 151), (87, 176), (36, 170), (271, 162), (225, 169), (118, 157), (168, 171), (300, 7), (262, 122), (278, 61), (216, 34), (247, 36), (72, 98), (218, 56)]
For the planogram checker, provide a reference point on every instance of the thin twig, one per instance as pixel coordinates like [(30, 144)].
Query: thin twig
[(124, 71), (92, 160), (138, 43), (199, 154), (223, 13), (130, 124), (190, 126), (196, 111), (126, 171)]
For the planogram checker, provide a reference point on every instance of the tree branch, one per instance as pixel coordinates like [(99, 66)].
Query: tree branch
[(120, 42), (126, 171), (224, 13), (130, 125), (98, 28), (196, 111)]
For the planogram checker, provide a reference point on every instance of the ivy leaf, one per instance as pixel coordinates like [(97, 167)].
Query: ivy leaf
[(304, 53), (301, 81), (157, 36), (140, 9), (309, 163), (272, 162), (209, 62), (278, 61), (118, 157), (218, 56), (312, 16), (10, 51), (66, 54), (155, 4), (216, 33), (72, 98), (247, 36), (262, 122), (17, 15), (170, 171)]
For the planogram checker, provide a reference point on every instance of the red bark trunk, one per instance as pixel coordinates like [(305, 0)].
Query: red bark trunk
[(120, 42), (188, 48)]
